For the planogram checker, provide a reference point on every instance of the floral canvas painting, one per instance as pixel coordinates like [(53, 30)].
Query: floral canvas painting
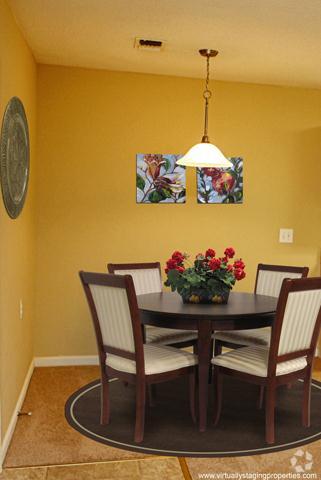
[(221, 185), (159, 179)]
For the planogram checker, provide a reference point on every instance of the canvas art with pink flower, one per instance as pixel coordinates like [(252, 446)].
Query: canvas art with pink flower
[(159, 179), (221, 185)]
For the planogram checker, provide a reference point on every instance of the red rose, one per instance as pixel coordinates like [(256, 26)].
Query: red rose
[(230, 268), (224, 259), (171, 264), (239, 264), (180, 269), (229, 252), (178, 256), (210, 253), (214, 264), (239, 274), (166, 270)]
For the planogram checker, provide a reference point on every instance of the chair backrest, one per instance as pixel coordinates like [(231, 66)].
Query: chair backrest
[(269, 278), (113, 305), (297, 322), (146, 276)]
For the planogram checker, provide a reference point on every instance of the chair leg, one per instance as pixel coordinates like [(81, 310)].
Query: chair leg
[(217, 348), (195, 350), (192, 385), (104, 400), (151, 389), (210, 370), (218, 390), (270, 413), (306, 400), (140, 410), (261, 398)]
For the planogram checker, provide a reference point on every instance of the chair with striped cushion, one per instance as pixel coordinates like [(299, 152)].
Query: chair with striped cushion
[(147, 279), (290, 355), (269, 280), (122, 353)]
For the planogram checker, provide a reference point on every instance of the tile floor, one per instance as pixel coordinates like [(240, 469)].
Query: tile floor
[(147, 469)]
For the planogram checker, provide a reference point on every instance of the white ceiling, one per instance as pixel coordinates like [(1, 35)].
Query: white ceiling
[(260, 41)]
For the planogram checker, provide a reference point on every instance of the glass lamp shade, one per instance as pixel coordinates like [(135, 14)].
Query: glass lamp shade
[(204, 155)]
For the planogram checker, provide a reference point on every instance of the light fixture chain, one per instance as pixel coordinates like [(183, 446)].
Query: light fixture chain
[(207, 93), (208, 72)]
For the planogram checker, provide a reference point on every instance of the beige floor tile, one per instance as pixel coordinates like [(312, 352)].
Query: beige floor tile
[(126, 470), (161, 468), (38, 473), (71, 472)]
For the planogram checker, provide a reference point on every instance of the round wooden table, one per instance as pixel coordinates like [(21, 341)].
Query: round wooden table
[(243, 311)]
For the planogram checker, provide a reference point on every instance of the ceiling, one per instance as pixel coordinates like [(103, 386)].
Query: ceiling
[(260, 41)]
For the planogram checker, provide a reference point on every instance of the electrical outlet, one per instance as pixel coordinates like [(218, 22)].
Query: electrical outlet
[(21, 309), (286, 235)]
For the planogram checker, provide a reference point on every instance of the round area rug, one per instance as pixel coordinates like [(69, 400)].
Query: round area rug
[(169, 429)]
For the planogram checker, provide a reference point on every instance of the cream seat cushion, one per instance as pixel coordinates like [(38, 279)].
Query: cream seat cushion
[(255, 336), (166, 336), (158, 359), (254, 360)]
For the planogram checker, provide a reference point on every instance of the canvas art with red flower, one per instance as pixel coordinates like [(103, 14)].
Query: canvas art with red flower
[(221, 185), (159, 179)]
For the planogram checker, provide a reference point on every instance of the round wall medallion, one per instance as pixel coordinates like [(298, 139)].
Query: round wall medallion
[(14, 151)]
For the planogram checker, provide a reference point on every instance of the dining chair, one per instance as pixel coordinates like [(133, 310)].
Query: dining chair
[(289, 357), (268, 281), (122, 354), (147, 279)]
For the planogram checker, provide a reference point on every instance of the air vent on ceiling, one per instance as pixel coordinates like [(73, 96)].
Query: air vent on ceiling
[(150, 45)]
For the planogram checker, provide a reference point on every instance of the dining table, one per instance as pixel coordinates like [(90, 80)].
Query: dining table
[(242, 311)]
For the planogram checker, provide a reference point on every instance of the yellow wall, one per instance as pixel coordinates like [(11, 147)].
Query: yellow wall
[(91, 125), (17, 77)]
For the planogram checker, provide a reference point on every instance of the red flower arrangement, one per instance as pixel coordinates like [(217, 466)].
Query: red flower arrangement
[(208, 280)]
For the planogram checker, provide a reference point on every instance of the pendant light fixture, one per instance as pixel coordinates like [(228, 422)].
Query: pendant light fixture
[(205, 154)]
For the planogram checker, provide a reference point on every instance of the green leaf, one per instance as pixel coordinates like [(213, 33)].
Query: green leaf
[(182, 193), (167, 164), (194, 279), (140, 182), (173, 276), (229, 199), (155, 197), (165, 193), (239, 195)]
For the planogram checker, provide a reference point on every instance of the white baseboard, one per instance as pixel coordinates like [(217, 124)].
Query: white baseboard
[(62, 361), (12, 425)]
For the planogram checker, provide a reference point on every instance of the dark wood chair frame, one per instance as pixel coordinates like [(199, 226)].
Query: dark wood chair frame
[(219, 344), (272, 381), (112, 267), (140, 379)]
